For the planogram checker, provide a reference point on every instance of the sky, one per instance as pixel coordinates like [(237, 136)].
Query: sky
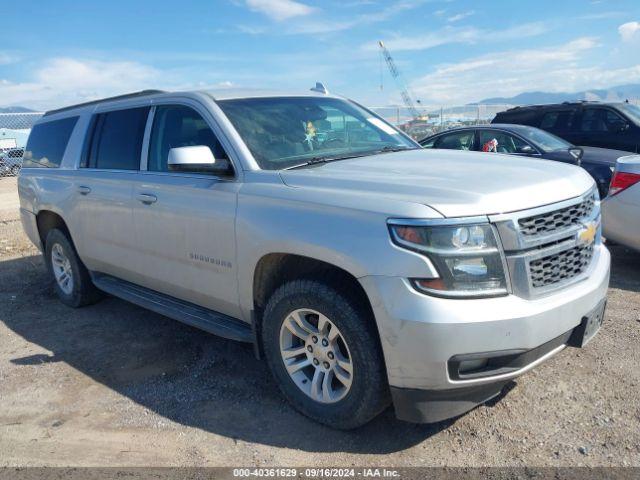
[(53, 53)]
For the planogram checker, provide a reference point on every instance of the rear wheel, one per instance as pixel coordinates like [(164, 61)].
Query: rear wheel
[(72, 282), (323, 351)]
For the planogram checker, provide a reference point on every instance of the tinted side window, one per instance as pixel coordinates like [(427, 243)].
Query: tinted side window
[(47, 143), (179, 126), (614, 121), (117, 139), (592, 120), (428, 143), (500, 142), (601, 120), (520, 117), (456, 141), (558, 120)]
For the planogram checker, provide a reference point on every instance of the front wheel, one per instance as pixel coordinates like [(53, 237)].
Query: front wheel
[(323, 350)]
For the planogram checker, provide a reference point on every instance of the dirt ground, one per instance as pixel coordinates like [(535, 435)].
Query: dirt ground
[(115, 385)]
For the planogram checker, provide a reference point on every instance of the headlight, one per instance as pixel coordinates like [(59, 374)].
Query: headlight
[(467, 258)]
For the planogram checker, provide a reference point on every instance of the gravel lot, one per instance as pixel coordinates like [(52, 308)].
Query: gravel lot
[(115, 385)]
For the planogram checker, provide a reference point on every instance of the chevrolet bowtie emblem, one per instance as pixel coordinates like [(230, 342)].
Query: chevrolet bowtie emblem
[(587, 235)]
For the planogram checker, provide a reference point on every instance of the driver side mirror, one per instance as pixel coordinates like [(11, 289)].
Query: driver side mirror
[(197, 159)]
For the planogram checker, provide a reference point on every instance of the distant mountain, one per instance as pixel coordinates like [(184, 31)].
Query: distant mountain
[(15, 110), (612, 94)]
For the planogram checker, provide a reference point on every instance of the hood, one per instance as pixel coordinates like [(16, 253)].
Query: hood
[(455, 183), (605, 156)]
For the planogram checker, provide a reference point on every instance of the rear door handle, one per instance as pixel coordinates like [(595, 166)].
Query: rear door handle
[(84, 190), (147, 198)]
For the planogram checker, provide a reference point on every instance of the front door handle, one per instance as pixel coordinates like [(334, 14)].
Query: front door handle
[(84, 190), (147, 198)]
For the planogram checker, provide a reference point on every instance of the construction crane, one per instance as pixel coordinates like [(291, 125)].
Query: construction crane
[(407, 97)]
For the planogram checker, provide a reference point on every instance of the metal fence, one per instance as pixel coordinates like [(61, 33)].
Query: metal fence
[(14, 131), (436, 118)]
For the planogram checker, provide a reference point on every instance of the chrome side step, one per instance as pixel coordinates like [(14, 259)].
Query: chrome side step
[(185, 312)]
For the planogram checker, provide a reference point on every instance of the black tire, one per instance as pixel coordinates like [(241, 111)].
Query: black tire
[(369, 394), (83, 292)]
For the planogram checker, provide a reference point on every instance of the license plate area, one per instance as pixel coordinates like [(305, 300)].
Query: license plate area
[(589, 326)]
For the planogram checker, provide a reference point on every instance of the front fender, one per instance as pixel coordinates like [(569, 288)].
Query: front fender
[(352, 239)]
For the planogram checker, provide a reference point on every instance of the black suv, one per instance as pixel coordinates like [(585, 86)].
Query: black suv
[(607, 125)]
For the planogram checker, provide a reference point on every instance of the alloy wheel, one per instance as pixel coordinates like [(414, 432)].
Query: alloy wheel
[(316, 355), (62, 270)]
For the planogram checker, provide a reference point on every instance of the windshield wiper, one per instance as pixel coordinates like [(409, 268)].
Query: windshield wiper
[(317, 160), (389, 149)]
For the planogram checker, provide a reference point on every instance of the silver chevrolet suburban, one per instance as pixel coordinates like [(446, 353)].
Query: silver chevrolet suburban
[(364, 269)]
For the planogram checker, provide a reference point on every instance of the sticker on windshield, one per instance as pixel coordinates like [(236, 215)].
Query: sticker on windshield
[(382, 126)]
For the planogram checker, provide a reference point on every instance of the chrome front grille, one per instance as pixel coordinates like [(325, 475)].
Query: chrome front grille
[(550, 247), (561, 266), (557, 219)]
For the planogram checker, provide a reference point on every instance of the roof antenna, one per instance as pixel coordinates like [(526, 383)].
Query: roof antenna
[(320, 88)]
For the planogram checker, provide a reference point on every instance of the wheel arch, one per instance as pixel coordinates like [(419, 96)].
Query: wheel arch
[(275, 269), (47, 220)]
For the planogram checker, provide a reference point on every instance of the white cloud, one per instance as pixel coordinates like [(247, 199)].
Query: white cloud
[(6, 59), (67, 80), (316, 26), (601, 15), (280, 9), (460, 16), (508, 73), (467, 35), (629, 31)]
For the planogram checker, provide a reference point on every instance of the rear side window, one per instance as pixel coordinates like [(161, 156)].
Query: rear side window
[(116, 142), (601, 120), (519, 117), (47, 143), (456, 141), (558, 120)]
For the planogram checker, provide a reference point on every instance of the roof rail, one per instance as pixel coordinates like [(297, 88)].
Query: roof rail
[(141, 93)]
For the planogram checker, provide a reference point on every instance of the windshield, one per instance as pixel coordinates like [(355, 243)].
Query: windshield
[(283, 132), (544, 140), (632, 111)]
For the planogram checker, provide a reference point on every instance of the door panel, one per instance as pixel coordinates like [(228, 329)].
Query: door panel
[(185, 222), (186, 238), (105, 218)]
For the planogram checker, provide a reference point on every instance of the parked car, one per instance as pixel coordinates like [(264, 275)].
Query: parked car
[(363, 268), (606, 125), (530, 142), (621, 209), (11, 161)]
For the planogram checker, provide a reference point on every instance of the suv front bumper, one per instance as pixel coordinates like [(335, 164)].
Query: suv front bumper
[(422, 335)]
